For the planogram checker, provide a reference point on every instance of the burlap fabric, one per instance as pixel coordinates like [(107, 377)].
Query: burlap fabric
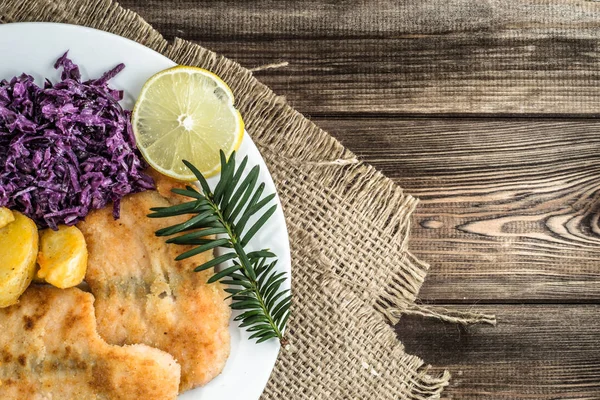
[(348, 225)]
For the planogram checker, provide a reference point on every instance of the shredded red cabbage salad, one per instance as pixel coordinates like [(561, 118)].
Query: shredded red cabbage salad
[(66, 148)]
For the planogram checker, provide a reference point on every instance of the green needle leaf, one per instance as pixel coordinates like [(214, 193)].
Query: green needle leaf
[(258, 224), (186, 208), (191, 223), (264, 327), (253, 320), (263, 336), (261, 254), (201, 249), (189, 205), (200, 178), (244, 218), (215, 261), (223, 273), (189, 192), (253, 282), (282, 307), (248, 314), (273, 299), (234, 181), (243, 193), (245, 261), (283, 321), (263, 269), (235, 282), (183, 239), (226, 175), (273, 287), (242, 305), (266, 337)]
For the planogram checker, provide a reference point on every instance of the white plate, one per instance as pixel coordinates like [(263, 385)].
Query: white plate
[(34, 47)]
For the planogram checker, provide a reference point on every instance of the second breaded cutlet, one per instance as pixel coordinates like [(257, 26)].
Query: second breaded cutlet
[(144, 296)]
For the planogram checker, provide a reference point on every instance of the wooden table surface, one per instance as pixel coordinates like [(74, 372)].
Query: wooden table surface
[(488, 112)]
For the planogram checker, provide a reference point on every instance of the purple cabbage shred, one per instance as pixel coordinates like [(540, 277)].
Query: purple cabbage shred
[(66, 148)]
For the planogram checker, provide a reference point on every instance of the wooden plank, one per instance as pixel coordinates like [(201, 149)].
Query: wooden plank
[(355, 18), (420, 56), (535, 352), (509, 208)]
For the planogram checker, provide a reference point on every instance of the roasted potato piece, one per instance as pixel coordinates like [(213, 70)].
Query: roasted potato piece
[(18, 252), (63, 257), (6, 217)]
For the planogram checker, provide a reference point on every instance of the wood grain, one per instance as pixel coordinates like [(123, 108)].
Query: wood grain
[(535, 352), (418, 56), (509, 207)]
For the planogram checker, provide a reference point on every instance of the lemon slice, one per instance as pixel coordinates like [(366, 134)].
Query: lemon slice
[(186, 113)]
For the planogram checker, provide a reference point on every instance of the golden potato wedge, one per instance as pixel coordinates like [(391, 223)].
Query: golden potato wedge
[(6, 217), (63, 257), (18, 252)]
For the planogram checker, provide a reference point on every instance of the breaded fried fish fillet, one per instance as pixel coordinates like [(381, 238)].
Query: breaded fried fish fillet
[(49, 349), (144, 296)]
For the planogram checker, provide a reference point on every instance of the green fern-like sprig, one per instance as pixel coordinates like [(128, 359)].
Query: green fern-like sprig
[(220, 219)]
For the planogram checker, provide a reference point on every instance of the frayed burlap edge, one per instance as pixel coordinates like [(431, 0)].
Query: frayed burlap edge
[(358, 196)]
